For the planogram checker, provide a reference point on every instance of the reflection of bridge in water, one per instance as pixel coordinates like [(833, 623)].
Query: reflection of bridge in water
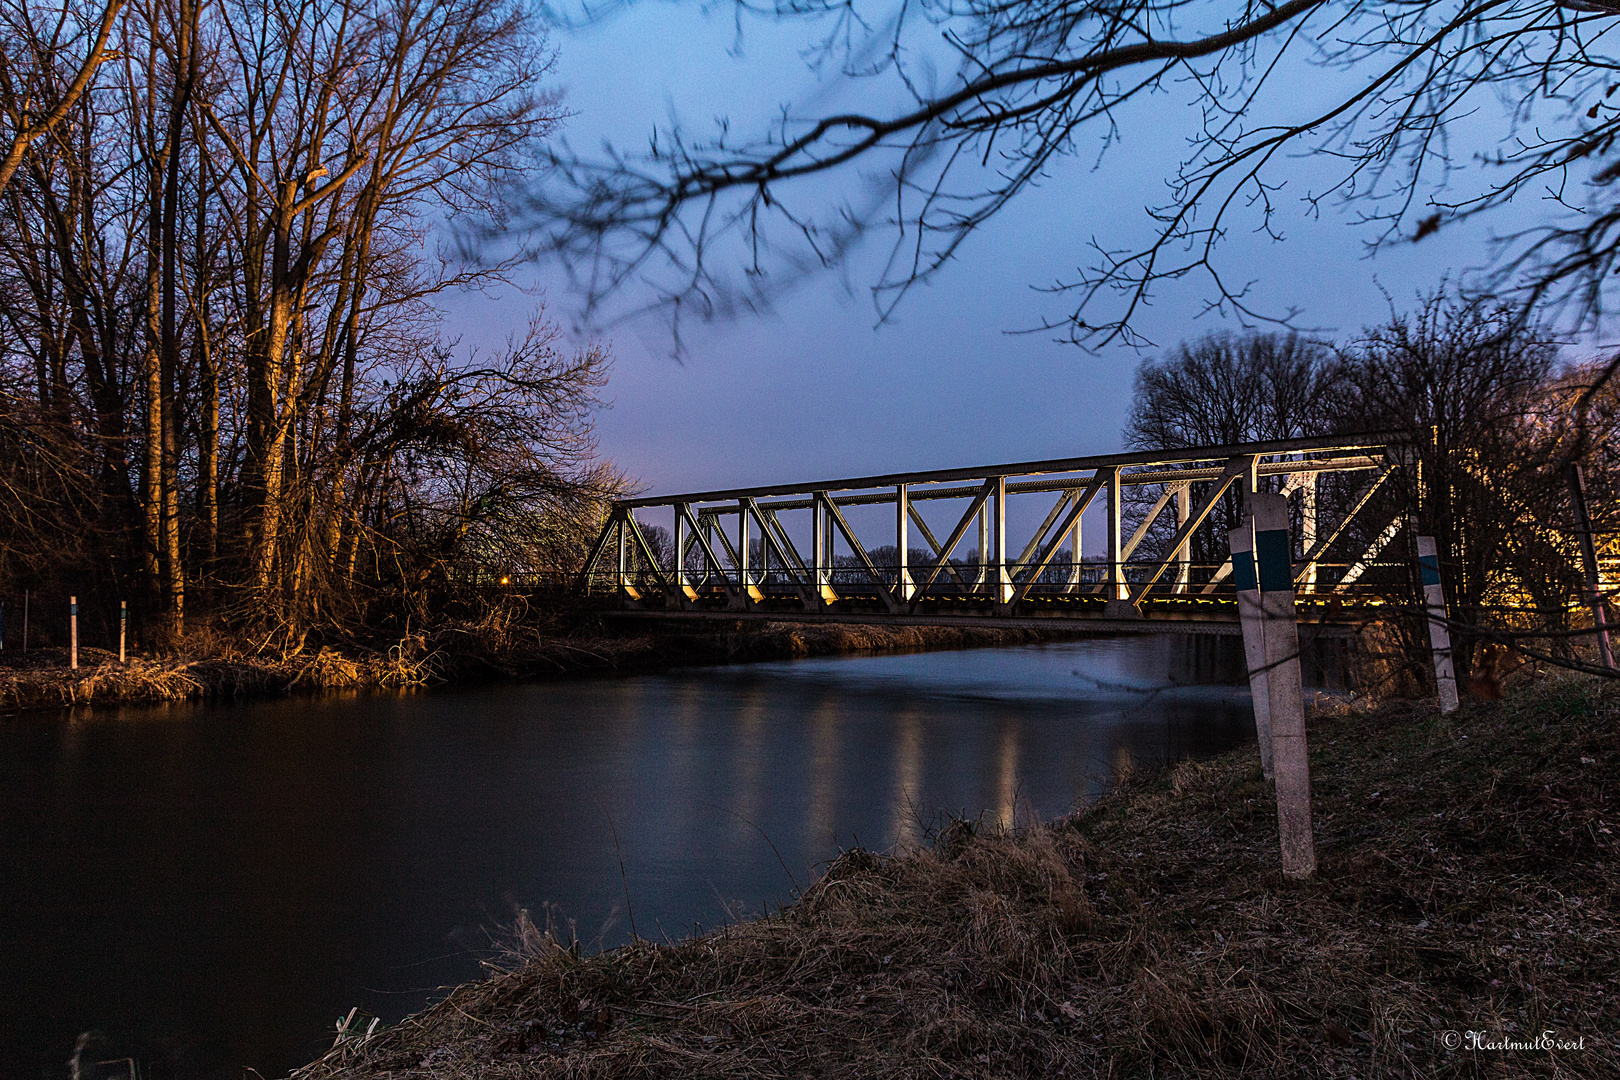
[(798, 553)]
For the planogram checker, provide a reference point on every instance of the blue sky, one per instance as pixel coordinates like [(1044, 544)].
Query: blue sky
[(816, 390)]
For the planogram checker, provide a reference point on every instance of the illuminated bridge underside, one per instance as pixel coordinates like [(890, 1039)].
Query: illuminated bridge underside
[(791, 552)]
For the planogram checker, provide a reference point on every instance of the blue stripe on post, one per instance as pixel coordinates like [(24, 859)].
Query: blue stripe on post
[(73, 609), (1430, 565), (1243, 571), (1276, 562)]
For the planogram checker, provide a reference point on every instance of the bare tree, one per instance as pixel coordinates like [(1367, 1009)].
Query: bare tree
[(1222, 390), (1467, 382), (1038, 80), (223, 377), (37, 92)]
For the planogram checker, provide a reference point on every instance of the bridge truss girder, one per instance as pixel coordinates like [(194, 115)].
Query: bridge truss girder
[(732, 549)]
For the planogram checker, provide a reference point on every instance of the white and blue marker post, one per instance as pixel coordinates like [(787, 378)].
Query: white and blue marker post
[(1434, 598), (1254, 635), (1291, 767), (73, 632)]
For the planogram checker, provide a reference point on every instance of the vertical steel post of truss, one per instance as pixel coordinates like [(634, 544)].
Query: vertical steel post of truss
[(681, 590), (904, 589), (708, 534), (1434, 598), (1115, 588), (1589, 562), (744, 575), (1074, 568), (1254, 635), (1290, 762), (830, 541), (1183, 562), (821, 548), (1306, 482), (625, 587), (983, 574), (1003, 588)]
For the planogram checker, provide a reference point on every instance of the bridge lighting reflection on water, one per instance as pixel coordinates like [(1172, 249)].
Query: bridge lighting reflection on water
[(162, 859)]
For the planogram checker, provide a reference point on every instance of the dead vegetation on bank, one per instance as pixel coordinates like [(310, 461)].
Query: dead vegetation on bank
[(1468, 883), (42, 679)]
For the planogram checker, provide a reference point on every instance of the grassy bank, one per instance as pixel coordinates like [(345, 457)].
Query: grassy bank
[(1468, 883), (42, 679)]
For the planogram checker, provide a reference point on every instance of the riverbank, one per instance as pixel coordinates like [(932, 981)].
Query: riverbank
[(42, 678), (1469, 873)]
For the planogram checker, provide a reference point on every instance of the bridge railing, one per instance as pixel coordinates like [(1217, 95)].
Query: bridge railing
[(964, 538)]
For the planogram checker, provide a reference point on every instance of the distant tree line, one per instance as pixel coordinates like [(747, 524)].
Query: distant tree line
[(1490, 418), (223, 386)]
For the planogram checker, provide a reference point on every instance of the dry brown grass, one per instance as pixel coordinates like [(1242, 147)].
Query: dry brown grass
[(41, 679), (1469, 874), (44, 680)]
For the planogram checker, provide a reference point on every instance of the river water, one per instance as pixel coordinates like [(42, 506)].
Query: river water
[(210, 887)]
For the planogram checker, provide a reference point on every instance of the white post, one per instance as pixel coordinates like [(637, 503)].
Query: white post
[(1434, 597), (1274, 566), (123, 627), (1254, 639), (73, 631), (1589, 563)]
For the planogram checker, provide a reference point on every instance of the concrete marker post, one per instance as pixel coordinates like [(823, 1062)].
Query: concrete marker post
[(123, 627), (1589, 562), (73, 632), (1273, 556), (1254, 641), (1434, 598)]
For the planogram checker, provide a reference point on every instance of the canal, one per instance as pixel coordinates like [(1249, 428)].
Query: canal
[(207, 888)]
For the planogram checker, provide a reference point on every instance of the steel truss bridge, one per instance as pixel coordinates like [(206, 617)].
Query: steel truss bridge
[(793, 552)]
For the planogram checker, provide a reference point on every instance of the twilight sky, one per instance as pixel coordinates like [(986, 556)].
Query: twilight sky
[(816, 390)]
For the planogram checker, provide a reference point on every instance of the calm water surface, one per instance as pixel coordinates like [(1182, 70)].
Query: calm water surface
[(209, 887)]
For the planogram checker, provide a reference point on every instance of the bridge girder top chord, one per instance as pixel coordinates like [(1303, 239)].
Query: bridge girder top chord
[(774, 551)]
